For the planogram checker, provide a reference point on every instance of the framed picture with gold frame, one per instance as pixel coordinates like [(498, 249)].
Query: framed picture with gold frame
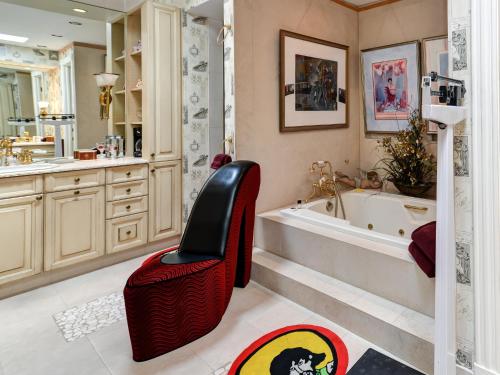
[(391, 86), (313, 83), (435, 59)]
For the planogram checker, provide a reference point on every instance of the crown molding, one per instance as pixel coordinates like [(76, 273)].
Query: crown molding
[(361, 8)]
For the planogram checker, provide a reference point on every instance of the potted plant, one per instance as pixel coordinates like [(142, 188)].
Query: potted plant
[(407, 164)]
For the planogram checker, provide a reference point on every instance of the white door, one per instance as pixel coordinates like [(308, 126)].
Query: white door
[(68, 102)]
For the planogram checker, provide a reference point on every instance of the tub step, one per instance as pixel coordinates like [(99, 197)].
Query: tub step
[(399, 330), (388, 272)]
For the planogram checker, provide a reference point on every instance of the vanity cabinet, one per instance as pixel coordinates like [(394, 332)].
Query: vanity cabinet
[(21, 233), (74, 226), (164, 200), (57, 220)]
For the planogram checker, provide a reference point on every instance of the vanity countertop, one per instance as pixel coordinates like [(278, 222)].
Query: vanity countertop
[(41, 168)]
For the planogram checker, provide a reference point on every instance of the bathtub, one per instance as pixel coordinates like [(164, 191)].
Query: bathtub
[(381, 217)]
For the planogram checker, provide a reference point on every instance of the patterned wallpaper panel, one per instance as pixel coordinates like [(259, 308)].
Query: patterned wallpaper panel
[(459, 32), (195, 44), (195, 127)]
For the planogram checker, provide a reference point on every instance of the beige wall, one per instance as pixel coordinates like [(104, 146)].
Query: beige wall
[(399, 22), (91, 129), (285, 158)]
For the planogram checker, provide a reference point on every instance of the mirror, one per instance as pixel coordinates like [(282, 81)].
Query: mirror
[(203, 69), (49, 52)]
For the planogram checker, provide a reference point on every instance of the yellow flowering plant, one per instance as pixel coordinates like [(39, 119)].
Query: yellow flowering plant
[(408, 163)]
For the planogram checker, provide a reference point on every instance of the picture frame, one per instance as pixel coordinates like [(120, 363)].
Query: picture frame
[(313, 83), (390, 77), (435, 57)]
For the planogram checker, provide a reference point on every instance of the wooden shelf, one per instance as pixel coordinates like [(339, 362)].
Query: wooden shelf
[(136, 123), (121, 92), (121, 58), (136, 53), (120, 123), (137, 89)]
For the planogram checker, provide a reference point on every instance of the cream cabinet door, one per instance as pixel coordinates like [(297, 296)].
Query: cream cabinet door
[(164, 200), (162, 75), (21, 236), (74, 226)]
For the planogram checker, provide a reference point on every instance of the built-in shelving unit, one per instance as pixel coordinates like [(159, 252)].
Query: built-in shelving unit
[(126, 61), (116, 64), (147, 95)]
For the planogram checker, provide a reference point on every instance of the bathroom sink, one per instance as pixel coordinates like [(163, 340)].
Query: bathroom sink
[(26, 168)]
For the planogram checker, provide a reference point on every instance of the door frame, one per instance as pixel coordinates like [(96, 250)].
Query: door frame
[(485, 27)]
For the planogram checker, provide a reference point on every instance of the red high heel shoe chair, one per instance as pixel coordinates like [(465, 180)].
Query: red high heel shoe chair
[(181, 294)]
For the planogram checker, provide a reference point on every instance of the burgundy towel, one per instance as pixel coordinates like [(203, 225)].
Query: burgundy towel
[(425, 238), (428, 266), (220, 160)]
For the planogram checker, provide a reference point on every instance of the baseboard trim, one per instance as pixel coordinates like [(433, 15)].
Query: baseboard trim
[(50, 277), (480, 370), (463, 371)]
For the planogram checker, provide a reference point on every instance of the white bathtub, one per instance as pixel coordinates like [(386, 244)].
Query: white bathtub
[(391, 217)]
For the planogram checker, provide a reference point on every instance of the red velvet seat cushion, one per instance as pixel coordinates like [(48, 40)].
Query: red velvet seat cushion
[(153, 271)]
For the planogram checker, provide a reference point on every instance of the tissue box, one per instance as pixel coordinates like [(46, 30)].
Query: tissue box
[(85, 154)]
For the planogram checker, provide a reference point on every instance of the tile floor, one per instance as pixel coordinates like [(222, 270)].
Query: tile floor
[(31, 342)]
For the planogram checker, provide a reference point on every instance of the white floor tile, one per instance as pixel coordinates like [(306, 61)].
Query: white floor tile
[(226, 342), (113, 345), (31, 343)]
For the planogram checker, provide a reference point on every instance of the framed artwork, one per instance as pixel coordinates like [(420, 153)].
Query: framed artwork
[(313, 83), (435, 59), (391, 86)]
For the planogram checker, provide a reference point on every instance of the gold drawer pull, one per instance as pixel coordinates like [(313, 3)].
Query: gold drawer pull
[(39, 198), (128, 190), (153, 170), (128, 207), (153, 155), (416, 208), (77, 180), (129, 232), (129, 174), (77, 192)]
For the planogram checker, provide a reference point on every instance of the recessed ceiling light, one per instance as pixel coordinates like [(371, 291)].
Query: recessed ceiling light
[(13, 38), (56, 35), (79, 10), (76, 23), (41, 46)]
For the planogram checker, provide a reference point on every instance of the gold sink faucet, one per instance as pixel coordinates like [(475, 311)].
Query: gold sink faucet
[(5, 151), (25, 157)]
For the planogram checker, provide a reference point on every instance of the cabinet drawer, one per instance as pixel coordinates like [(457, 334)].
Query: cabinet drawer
[(126, 232), (126, 190), (126, 207), (126, 173), (74, 180), (11, 187)]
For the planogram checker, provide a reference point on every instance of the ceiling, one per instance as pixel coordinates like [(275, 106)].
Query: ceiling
[(359, 2), (39, 19), (361, 5)]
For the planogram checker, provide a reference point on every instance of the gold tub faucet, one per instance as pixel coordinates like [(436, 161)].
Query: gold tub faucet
[(326, 186)]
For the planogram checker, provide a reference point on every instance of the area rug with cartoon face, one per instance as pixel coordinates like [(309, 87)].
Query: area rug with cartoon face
[(294, 350), (310, 350)]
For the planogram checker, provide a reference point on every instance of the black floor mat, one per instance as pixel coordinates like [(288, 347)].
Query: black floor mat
[(375, 363)]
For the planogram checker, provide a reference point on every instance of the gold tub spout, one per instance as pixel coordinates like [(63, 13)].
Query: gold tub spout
[(326, 185)]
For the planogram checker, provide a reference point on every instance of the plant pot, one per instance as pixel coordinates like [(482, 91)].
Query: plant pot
[(413, 191)]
